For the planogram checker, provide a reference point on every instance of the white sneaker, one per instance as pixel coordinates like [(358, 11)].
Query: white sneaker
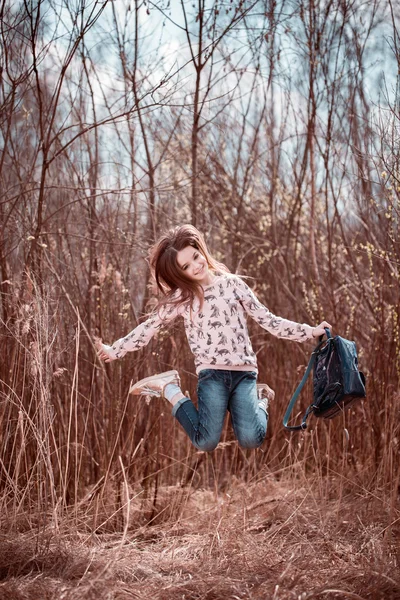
[(265, 395), (155, 385)]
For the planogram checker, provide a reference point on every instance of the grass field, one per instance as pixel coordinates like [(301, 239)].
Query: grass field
[(286, 538), (102, 497)]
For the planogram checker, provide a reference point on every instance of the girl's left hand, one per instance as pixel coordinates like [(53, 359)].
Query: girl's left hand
[(101, 350), (320, 329)]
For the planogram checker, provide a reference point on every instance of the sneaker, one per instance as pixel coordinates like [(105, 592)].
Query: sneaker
[(265, 395), (155, 385)]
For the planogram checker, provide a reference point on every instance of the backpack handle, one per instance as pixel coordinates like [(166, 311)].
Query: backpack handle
[(327, 333), (301, 385)]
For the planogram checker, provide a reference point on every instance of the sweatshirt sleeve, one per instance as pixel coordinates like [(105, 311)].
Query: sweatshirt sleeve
[(142, 334), (278, 326)]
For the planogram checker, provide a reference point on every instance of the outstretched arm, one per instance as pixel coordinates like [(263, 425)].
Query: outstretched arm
[(278, 326), (138, 337)]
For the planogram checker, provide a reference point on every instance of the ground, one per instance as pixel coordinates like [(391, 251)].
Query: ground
[(271, 539)]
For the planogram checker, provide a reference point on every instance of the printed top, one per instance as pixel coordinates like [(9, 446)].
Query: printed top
[(217, 335)]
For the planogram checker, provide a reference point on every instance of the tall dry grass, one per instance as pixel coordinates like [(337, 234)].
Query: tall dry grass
[(103, 496), (92, 480)]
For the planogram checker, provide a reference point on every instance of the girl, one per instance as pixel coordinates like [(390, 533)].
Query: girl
[(213, 303)]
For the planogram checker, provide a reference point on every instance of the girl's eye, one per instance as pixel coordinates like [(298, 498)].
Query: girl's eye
[(194, 256)]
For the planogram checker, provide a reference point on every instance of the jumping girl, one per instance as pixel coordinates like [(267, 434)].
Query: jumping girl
[(213, 302)]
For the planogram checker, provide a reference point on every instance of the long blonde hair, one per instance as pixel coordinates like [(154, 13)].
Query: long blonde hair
[(167, 273)]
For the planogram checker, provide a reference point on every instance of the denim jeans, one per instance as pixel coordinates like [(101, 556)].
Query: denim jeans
[(217, 392)]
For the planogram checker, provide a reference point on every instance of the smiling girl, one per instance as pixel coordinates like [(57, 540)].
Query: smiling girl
[(214, 304)]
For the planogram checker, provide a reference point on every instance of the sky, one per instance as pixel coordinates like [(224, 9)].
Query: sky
[(164, 56)]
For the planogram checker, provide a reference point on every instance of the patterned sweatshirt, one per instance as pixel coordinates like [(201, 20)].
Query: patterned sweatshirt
[(217, 335)]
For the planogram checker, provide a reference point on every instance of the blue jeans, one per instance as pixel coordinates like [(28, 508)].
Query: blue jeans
[(217, 392)]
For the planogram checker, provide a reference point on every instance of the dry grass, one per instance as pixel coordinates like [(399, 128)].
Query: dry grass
[(271, 539), (105, 499)]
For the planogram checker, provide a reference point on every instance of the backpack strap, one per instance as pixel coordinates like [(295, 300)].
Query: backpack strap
[(300, 387)]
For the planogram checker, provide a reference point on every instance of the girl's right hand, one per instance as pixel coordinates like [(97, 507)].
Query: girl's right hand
[(320, 329), (102, 350)]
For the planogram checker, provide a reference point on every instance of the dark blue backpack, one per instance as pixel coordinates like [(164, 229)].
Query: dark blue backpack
[(337, 381)]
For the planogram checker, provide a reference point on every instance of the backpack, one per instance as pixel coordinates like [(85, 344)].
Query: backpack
[(337, 381)]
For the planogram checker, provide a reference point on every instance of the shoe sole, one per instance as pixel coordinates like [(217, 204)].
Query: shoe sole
[(135, 389)]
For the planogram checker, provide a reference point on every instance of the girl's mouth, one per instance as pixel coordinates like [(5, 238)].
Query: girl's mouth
[(200, 270)]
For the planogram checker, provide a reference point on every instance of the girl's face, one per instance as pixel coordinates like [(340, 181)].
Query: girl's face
[(194, 265)]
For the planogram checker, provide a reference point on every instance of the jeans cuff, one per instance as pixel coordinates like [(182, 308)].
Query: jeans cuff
[(176, 406)]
